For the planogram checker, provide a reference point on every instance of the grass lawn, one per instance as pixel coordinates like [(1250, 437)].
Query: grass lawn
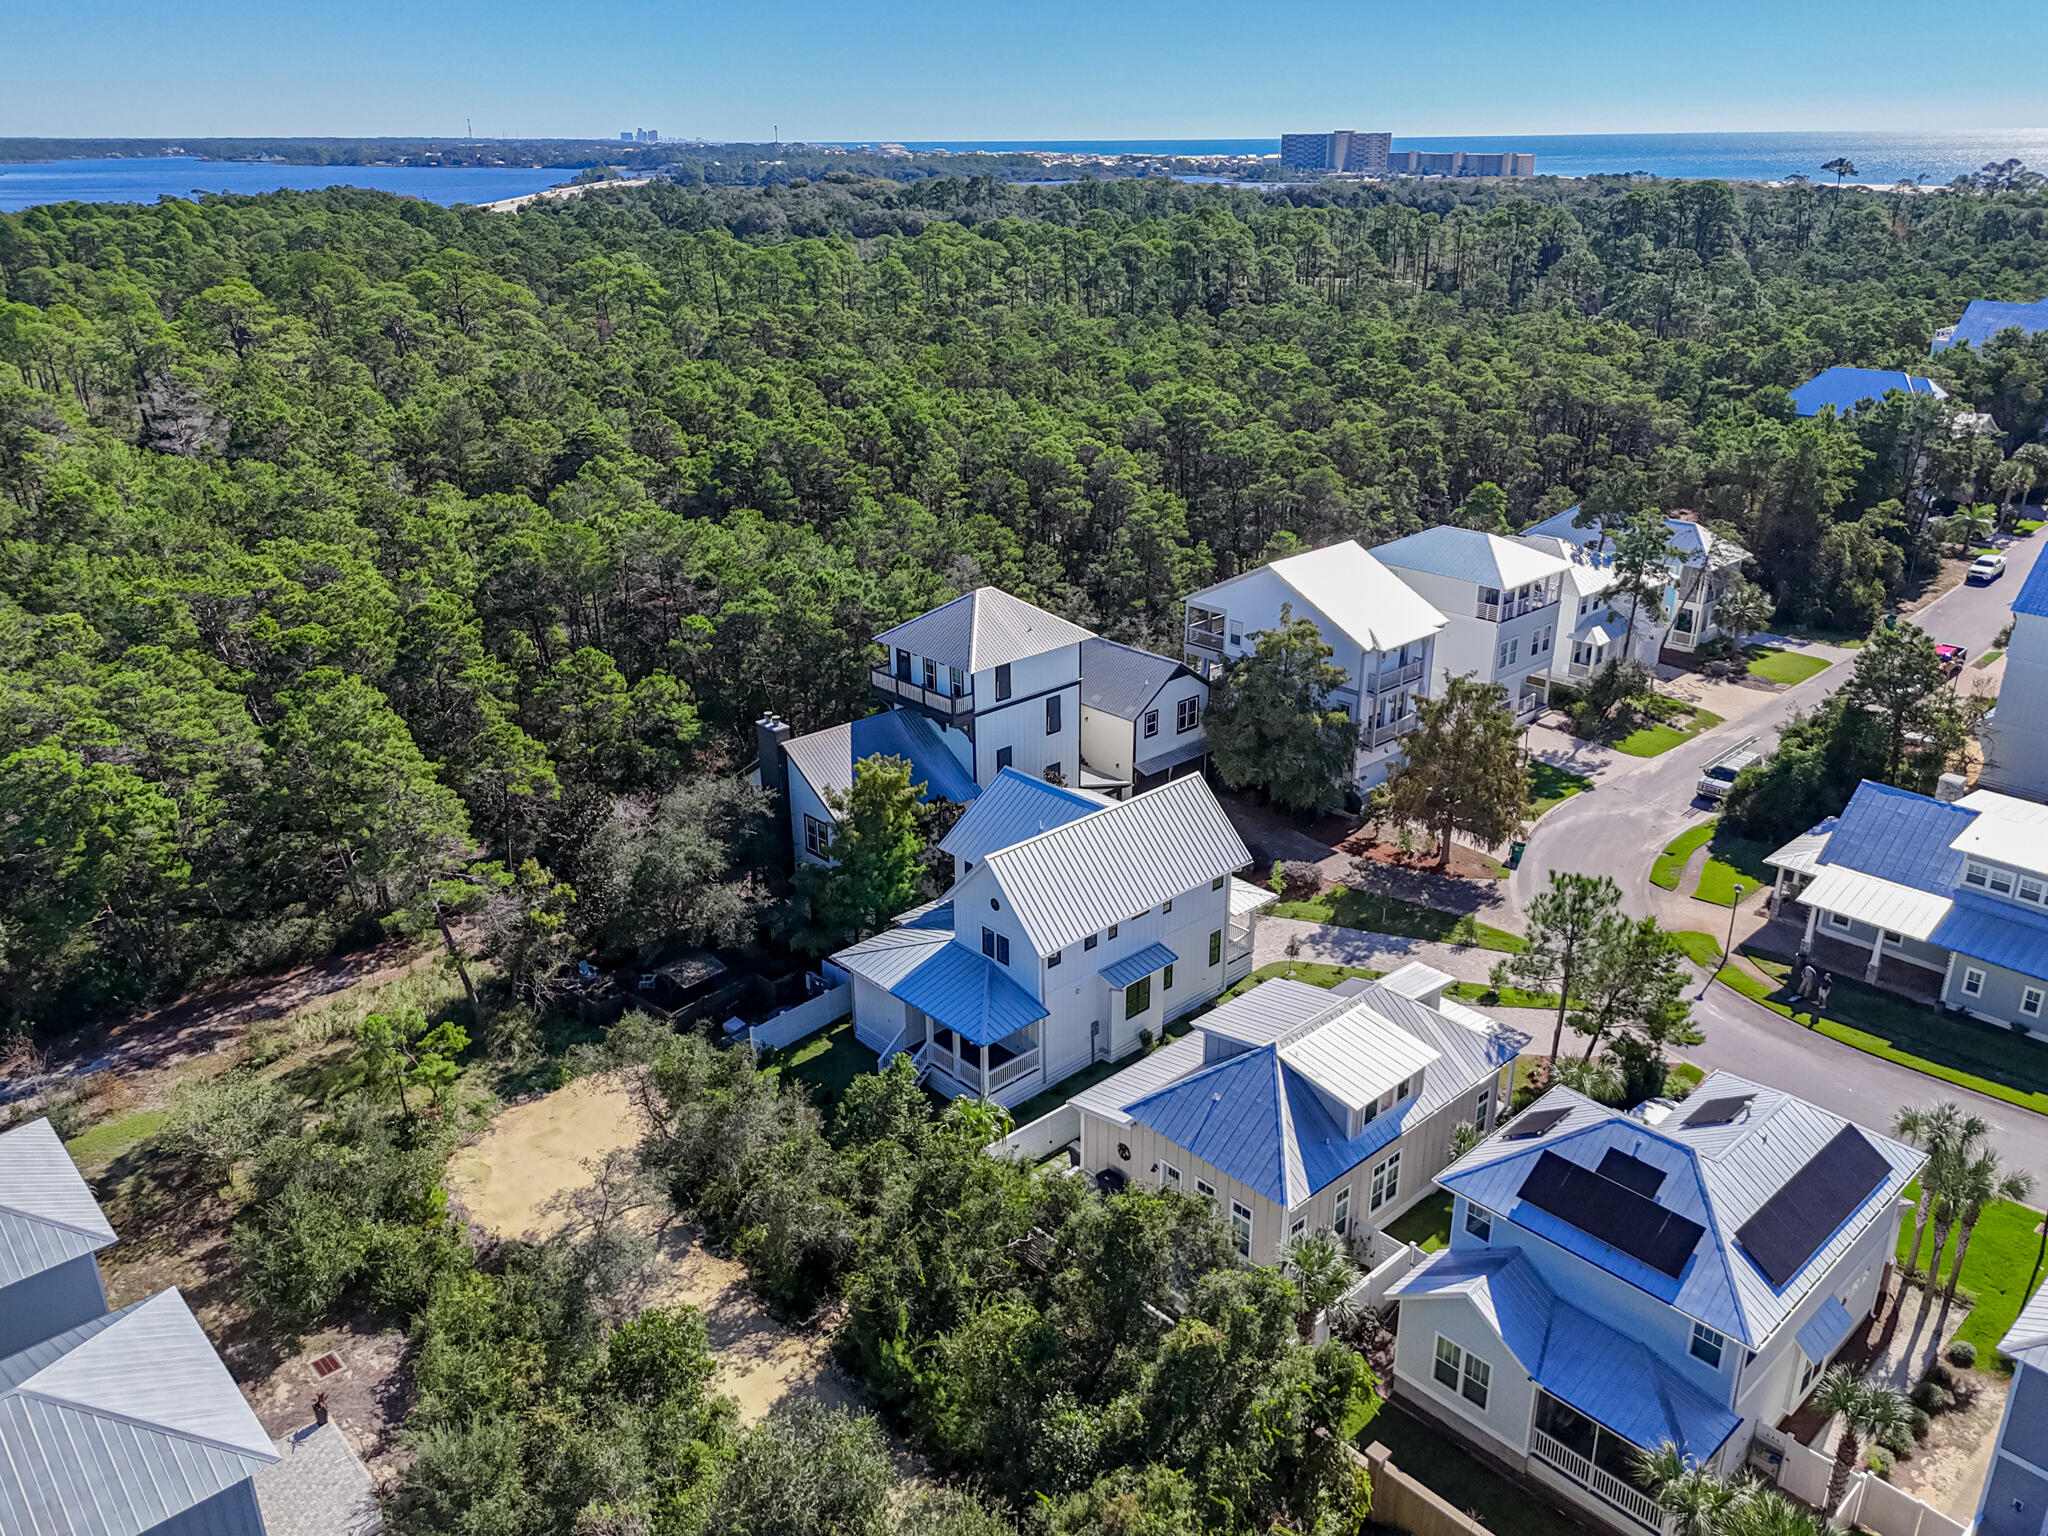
[(1682, 1079), (1670, 865), (1995, 1270), (1988, 657), (2026, 527), (1660, 737), (1551, 785), (103, 1143), (1835, 637), (1347, 908), (1313, 972), (1458, 1477), (1045, 1103), (1702, 949), (1500, 997), (1950, 1047), (1787, 667), (1734, 858), (1426, 1224), (826, 1062)]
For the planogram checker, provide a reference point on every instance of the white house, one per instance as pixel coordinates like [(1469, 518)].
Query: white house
[(1500, 601), (1061, 948), (1701, 564), (1379, 631), (1615, 1281), (809, 770), (2015, 734), (1141, 718), (1295, 1108)]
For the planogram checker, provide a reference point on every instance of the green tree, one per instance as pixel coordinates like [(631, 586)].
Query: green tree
[(1742, 609), (1898, 679), (527, 932), (1643, 554), (876, 856), (1981, 1181), (1867, 1411), (1570, 924), (404, 1050), (808, 1470), (1462, 770), (1945, 1134), (1271, 725), (1634, 984)]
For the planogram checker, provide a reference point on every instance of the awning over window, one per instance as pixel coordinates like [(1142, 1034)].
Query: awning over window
[(1147, 960)]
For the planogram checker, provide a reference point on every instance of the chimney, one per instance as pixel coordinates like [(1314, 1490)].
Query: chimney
[(1951, 787), (770, 732)]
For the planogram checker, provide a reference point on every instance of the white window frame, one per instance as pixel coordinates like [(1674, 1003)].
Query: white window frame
[(1187, 714), (1450, 1357), (1298, 1226), (1839, 920), (1480, 1110), (1973, 981), (1241, 1228), (1207, 1190), (817, 837), (1708, 1345), (1479, 1222), (1976, 874), (1236, 628), (1998, 875), (1168, 1174), (2030, 1002), (1386, 1182), (1151, 723), (1478, 1383), (2032, 889), (1341, 1213)]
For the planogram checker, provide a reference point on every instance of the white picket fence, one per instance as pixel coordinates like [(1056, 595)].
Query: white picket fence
[(1871, 1502), (1390, 1260), (806, 1018)]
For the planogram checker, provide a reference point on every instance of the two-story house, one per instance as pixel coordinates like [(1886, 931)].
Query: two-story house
[(2015, 733), (1957, 892), (2015, 1497), (1141, 718), (1701, 564), (1378, 629), (807, 772), (1616, 1281), (1294, 1108), (1061, 948), (50, 1230), (1500, 601)]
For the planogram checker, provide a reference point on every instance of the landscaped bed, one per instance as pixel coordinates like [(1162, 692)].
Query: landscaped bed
[(1371, 913), (1995, 1270)]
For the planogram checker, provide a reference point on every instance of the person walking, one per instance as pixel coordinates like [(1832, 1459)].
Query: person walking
[(1827, 985), (1806, 980)]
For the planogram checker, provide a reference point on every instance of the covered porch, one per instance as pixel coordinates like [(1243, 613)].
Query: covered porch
[(1580, 1456), (1008, 1070), (1246, 902)]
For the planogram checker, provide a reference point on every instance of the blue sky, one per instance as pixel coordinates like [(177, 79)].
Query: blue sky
[(918, 69)]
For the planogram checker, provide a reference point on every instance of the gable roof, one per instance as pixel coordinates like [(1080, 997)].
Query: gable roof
[(982, 629), (1845, 388), (1466, 554), (47, 1215), (1695, 543), (124, 1423), (1347, 584), (1717, 1176), (1016, 805), (1109, 866), (2027, 1340), (1983, 319), (931, 969), (826, 758), (1899, 836), (1120, 679)]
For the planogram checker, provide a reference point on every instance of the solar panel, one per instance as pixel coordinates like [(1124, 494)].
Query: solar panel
[(1797, 1221), (1719, 1111), (1532, 1122), (1631, 1173), (1612, 1213)]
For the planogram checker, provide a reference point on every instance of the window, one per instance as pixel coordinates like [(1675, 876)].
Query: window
[(1838, 920), (2031, 889), (1478, 1221), (817, 837), (1299, 1226), (1893, 938), (958, 681), (1166, 906), (1004, 757), (1137, 997), (996, 946), (931, 675), (1478, 1380), (1973, 981), (1089, 942), (1003, 681), (1053, 959), (1510, 652), (1241, 1225), (1168, 1174), (1204, 1188), (1052, 715), (1216, 947), (1237, 631), (1976, 874), (1166, 979), (2030, 1002), (1112, 930), (1151, 722), (1707, 1345), (2001, 881), (1187, 714), (1342, 1218), (1450, 1362), (1479, 1110), (1386, 1181)]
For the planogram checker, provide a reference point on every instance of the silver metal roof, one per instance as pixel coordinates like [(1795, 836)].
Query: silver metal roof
[(984, 628), (117, 1426), (1466, 554), (1344, 582), (1247, 897), (1124, 859), (1120, 679), (47, 1215), (1013, 807)]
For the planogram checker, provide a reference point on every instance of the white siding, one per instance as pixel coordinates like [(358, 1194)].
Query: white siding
[(1106, 742), (1019, 721)]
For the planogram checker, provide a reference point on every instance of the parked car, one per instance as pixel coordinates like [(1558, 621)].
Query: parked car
[(1720, 771), (1952, 659), (1989, 566)]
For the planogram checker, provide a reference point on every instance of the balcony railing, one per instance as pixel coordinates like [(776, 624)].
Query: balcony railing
[(1393, 677), (1377, 736), (1501, 612), (1009, 1071), (951, 706), (1626, 1497), (1205, 639), (1527, 707)]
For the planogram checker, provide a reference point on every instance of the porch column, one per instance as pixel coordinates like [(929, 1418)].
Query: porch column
[(1812, 916), (984, 1071), (1876, 957), (1778, 893)]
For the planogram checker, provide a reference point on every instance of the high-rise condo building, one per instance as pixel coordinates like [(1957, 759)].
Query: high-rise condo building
[(1347, 149)]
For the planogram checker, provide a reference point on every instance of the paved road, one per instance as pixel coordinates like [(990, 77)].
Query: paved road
[(1638, 806)]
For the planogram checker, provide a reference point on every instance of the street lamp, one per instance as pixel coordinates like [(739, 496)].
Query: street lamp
[(1733, 908)]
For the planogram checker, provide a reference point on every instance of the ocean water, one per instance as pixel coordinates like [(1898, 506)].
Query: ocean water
[(144, 181), (1882, 158)]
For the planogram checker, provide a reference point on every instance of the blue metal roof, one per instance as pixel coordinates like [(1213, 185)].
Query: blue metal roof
[(1996, 932), (1899, 836), (1014, 806), (2032, 598), (970, 993), (1231, 1116), (1985, 318), (1843, 388), (1825, 1330), (1142, 963), (906, 733)]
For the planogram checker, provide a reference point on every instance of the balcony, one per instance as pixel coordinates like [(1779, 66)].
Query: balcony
[(1204, 637), (1527, 707), (1393, 677), (943, 706), (1374, 737), (1500, 610), (1641, 1509)]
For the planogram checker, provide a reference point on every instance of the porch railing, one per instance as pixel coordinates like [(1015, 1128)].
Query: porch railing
[(1626, 1497), (1392, 677), (1011, 1070), (953, 706), (1379, 735)]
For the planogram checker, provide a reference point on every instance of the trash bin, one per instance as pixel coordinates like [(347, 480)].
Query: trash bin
[(1515, 855)]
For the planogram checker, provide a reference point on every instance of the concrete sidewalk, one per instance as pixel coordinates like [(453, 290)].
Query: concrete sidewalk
[(1328, 944)]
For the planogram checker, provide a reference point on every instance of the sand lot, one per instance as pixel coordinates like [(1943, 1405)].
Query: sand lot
[(520, 1179)]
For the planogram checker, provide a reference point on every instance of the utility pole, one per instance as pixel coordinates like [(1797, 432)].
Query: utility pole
[(468, 130)]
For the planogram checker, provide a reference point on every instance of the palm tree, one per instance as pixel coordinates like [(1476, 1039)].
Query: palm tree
[(1767, 1512), (1945, 1134), (1867, 1413), (1322, 1274), (1976, 1186), (1699, 1503)]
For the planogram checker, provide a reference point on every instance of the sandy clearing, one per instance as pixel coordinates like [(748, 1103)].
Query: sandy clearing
[(557, 194)]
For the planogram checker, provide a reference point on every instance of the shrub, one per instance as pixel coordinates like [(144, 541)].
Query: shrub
[(1961, 1352), (1898, 1440), (1941, 1375), (1300, 880), (1921, 1424), (1933, 1397), (1879, 1460)]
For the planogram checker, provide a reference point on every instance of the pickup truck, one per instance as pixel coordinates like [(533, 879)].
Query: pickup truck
[(1720, 771)]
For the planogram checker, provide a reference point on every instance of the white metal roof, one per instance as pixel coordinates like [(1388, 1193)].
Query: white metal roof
[(47, 1215), (1881, 903), (1802, 854), (1117, 863), (1369, 604), (1466, 554), (1357, 1056), (2007, 831), (1247, 897), (1013, 807), (982, 629)]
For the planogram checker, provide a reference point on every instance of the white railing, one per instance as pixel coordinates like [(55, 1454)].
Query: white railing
[(1392, 677), (1528, 706), (1205, 639), (1380, 735), (1626, 1497), (1011, 1070), (936, 700)]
